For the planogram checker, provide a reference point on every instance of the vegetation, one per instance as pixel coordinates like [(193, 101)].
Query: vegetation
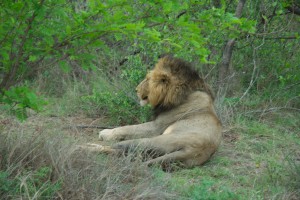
[(67, 63)]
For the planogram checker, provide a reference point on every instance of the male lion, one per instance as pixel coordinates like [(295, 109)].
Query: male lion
[(186, 128)]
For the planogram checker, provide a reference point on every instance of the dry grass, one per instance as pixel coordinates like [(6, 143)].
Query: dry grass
[(40, 142)]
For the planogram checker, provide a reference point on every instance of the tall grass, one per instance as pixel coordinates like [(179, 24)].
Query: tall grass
[(39, 161)]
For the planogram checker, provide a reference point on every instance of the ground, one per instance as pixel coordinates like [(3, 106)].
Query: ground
[(258, 158)]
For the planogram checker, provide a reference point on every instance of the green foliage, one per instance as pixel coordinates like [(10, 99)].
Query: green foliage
[(33, 33), (38, 35), (58, 31), (7, 185), (119, 104), (17, 99), (118, 107), (29, 184)]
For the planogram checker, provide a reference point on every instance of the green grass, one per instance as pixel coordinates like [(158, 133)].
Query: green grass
[(32, 184), (262, 162)]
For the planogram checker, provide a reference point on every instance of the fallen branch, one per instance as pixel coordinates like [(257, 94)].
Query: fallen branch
[(265, 111), (90, 126)]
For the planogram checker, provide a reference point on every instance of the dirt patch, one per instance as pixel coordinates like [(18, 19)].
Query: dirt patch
[(229, 136)]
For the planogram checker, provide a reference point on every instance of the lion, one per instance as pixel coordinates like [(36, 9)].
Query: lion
[(186, 128)]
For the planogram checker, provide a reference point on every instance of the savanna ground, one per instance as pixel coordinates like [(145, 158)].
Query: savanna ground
[(78, 63)]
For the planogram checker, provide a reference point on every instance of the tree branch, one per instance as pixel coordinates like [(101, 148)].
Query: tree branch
[(239, 8), (180, 14), (126, 59), (279, 38), (89, 126), (11, 74)]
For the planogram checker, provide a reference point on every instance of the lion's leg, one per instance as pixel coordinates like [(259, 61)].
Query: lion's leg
[(148, 129), (167, 158), (99, 148), (158, 145), (186, 159), (132, 145)]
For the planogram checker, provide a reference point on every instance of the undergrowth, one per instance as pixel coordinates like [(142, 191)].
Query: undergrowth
[(109, 94), (39, 161), (28, 183)]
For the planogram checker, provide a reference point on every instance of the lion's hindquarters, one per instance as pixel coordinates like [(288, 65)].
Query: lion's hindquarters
[(185, 157), (167, 158)]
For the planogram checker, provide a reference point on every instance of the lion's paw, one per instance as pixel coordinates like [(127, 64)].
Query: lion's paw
[(91, 147), (106, 135)]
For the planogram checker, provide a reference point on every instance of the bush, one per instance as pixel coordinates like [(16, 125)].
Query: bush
[(118, 107), (18, 99)]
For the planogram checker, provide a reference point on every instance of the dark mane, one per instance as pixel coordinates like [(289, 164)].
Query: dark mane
[(188, 77), (181, 68)]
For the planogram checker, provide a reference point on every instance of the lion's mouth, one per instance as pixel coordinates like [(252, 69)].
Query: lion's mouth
[(145, 98), (144, 101)]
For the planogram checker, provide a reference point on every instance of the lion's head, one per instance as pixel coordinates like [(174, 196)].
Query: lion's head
[(169, 84)]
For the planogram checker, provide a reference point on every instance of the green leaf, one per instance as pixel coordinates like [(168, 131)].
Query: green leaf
[(68, 30), (32, 58), (65, 66)]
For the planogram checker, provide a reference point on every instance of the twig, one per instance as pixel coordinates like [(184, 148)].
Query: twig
[(126, 59), (180, 14), (90, 126), (280, 38), (254, 72), (273, 110)]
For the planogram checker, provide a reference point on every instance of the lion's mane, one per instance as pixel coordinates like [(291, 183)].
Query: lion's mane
[(170, 83)]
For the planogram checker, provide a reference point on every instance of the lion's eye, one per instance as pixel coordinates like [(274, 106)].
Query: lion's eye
[(145, 97)]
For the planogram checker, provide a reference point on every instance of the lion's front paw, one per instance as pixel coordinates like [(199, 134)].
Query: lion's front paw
[(107, 134)]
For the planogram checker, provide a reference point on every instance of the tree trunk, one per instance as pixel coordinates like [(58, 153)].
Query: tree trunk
[(227, 53)]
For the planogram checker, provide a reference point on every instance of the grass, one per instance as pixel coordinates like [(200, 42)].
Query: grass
[(40, 160), (258, 159)]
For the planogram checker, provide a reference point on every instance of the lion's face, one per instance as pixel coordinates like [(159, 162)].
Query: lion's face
[(153, 89), (169, 84), (142, 91)]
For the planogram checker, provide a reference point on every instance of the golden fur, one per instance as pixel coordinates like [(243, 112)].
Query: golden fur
[(169, 84), (186, 128)]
